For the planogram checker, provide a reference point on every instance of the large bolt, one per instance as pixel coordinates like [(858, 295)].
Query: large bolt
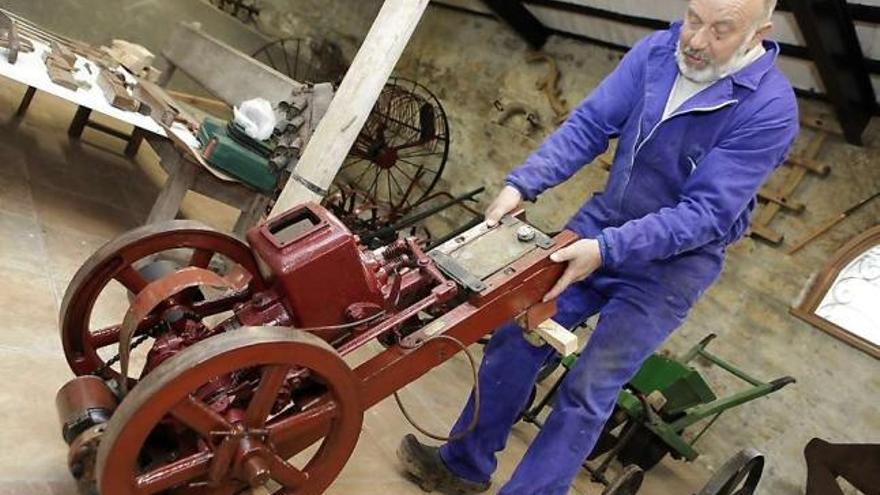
[(257, 471), (525, 233)]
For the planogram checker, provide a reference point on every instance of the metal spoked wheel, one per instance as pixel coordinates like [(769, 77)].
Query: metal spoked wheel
[(399, 155), (219, 417), (305, 60), (99, 294), (738, 476)]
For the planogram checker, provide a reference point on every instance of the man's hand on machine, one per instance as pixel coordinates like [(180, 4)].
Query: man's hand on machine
[(583, 258), (506, 201)]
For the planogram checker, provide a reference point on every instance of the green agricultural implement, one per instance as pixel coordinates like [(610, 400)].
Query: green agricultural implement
[(666, 398)]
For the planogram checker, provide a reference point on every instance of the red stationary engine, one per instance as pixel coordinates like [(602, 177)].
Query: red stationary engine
[(243, 367)]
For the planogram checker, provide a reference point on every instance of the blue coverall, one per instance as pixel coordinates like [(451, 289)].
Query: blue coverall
[(680, 190)]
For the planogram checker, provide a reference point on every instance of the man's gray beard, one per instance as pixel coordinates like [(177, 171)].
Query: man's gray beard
[(712, 72)]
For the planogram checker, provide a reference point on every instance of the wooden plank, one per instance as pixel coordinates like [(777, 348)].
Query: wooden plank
[(251, 216), (351, 106), (225, 72), (770, 195), (810, 164)]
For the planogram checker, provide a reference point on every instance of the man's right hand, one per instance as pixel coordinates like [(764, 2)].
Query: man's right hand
[(506, 201)]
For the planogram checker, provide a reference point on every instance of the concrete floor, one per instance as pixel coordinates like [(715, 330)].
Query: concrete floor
[(57, 209)]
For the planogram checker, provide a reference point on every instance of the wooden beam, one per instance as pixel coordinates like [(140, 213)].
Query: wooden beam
[(830, 35), (515, 14), (337, 131), (225, 72)]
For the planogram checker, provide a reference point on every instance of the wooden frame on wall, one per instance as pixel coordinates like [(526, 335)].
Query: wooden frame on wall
[(806, 310)]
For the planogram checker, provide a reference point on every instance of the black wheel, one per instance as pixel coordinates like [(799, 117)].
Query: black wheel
[(628, 483), (644, 449), (528, 407), (738, 476), (549, 367)]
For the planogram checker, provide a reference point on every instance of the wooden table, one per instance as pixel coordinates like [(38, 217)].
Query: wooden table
[(183, 175)]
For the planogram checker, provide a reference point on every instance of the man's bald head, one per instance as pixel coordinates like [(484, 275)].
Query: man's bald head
[(769, 8)]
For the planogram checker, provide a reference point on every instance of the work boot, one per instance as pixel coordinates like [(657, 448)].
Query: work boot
[(423, 463)]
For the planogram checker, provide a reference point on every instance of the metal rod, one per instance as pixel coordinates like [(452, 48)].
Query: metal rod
[(742, 375), (831, 223), (626, 435), (531, 416), (408, 222), (705, 428)]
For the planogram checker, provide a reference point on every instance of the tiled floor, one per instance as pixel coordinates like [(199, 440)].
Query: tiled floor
[(59, 201)]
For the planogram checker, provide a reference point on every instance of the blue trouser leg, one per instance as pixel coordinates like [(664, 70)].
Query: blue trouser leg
[(507, 374), (631, 326)]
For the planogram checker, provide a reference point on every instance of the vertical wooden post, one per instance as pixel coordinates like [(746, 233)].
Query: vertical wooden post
[(351, 106)]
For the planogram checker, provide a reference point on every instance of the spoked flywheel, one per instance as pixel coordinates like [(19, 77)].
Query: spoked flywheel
[(397, 158), (237, 410), (100, 295)]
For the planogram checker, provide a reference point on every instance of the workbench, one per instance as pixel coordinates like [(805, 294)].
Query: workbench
[(31, 71), (183, 174)]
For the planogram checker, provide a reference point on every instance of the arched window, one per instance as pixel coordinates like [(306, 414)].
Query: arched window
[(844, 300)]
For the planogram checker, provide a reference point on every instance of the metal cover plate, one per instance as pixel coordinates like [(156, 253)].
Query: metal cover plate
[(481, 251)]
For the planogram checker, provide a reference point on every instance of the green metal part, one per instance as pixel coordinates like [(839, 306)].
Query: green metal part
[(232, 152), (688, 397)]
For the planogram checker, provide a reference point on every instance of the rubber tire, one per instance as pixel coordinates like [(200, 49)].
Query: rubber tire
[(628, 483)]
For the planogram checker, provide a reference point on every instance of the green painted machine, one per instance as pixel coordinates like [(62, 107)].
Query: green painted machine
[(666, 398), (226, 147)]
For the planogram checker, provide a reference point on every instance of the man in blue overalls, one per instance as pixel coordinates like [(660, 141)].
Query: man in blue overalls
[(703, 116)]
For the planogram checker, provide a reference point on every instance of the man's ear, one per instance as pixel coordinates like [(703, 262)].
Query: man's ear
[(761, 33)]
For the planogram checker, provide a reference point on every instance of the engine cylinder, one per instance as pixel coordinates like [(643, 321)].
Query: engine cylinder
[(83, 403)]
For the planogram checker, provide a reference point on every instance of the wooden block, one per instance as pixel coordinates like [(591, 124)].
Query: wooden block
[(116, 92), (64, 53), (62, 77), (783, 201), (132, 56), (559, 337), (810, 164), (766, 233)]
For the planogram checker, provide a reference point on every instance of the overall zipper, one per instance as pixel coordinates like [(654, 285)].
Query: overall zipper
[(637, 147)]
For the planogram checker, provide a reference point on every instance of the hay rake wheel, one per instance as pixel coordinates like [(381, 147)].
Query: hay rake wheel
[(400, 154)]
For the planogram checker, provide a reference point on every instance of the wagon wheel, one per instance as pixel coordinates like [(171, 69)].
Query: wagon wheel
[(115, 270), (738, 476), (305, 60), (628, 483), (401, 152), (286, 389)]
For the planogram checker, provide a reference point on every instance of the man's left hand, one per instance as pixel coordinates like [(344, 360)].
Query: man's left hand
[(583, 258)]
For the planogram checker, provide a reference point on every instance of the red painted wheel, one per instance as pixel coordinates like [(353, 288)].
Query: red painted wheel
[(225, 414), (116, 271)]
